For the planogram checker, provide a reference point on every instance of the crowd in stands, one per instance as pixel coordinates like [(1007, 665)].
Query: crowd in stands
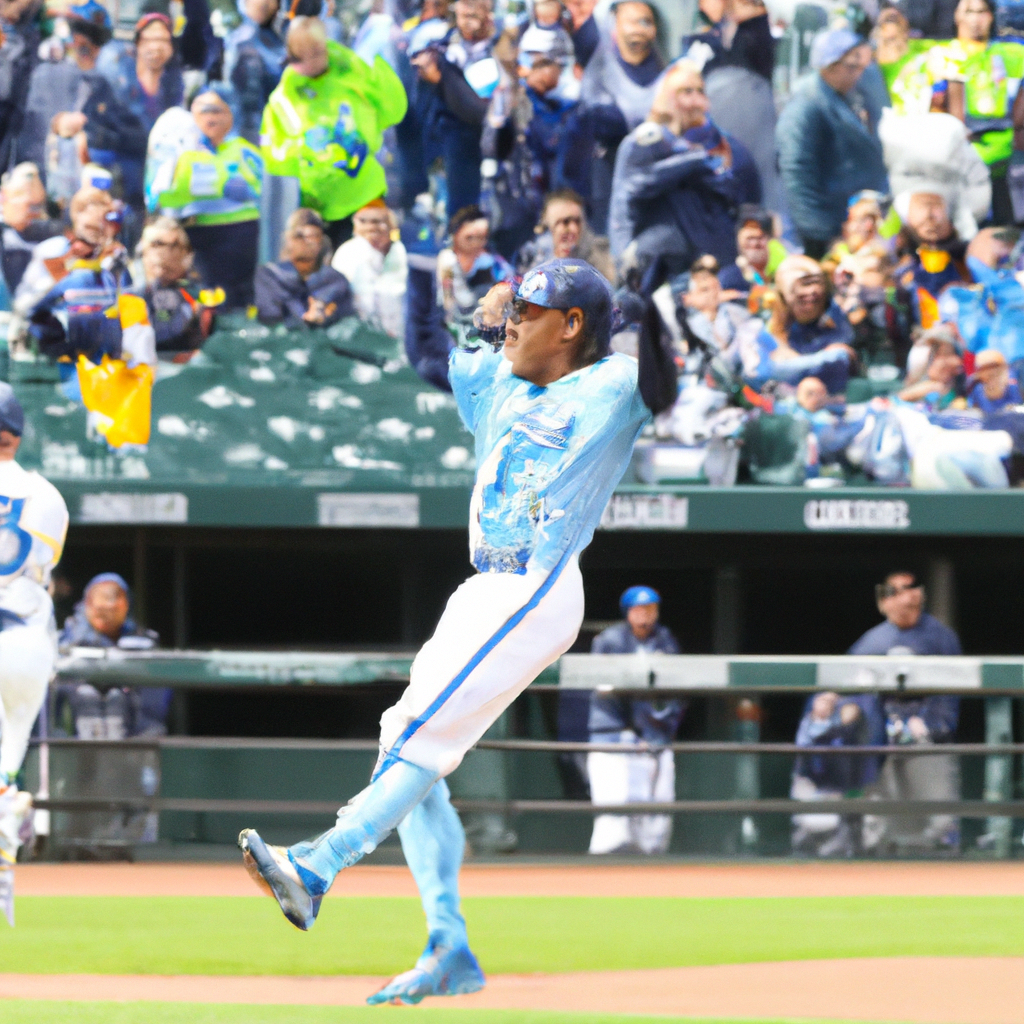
[(832, 256)]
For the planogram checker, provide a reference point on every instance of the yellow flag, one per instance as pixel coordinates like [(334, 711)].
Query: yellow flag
[(120, 396)]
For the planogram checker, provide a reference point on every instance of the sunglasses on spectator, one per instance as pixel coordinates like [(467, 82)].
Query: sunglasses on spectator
[(567, 221)]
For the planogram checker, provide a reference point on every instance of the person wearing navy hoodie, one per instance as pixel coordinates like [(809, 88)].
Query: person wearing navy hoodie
[(677, 167)]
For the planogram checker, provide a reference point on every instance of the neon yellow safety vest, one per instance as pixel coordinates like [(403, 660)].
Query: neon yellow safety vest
[(991, 76), (197, 188), (326, 131)]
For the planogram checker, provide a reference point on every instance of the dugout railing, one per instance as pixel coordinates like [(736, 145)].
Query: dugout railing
[(999, 681)]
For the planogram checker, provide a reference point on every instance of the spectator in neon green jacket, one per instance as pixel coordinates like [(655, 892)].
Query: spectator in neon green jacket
[(215, 192), (325, 121)]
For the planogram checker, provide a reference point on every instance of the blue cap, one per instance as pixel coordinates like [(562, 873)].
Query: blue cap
[(108, 577), (92, 12), (12, 416), (564, 283), (833, 45), (431, 32), (638, 595)]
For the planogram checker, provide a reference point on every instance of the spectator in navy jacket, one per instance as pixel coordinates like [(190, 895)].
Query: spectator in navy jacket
[(828, 144), (678, 169), (147, 78), (909, 630), (303, 288)]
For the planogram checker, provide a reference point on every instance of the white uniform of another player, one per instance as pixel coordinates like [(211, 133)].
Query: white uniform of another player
[(33, 525)]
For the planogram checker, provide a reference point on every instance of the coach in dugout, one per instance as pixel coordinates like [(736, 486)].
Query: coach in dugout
[(639, 777), (909, 630)]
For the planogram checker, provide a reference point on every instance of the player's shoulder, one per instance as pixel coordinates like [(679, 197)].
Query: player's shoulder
[(614, 370)]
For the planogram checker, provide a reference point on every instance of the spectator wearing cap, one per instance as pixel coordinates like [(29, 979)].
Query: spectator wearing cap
[(215, 191), (759, 255), (74, 102), (807, 334), (678, 169), (180, 323), (931, 253), (23, 221), (617, 92), (103, 619), (554, 135), (992, 388), (455, 81), (303, 289), (324, 123), (562, 233), (633, 778), (147, 78), (73, 279), (467, 269), (375, 265), (828, 145), (254, 58)]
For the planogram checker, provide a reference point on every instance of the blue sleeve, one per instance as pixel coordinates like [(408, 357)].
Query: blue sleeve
[(427, 341), (471, 373)]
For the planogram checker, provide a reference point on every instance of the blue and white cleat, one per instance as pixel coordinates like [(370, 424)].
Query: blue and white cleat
[(272, 870), (439, 972)]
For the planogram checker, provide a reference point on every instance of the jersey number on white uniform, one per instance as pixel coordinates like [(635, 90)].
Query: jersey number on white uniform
[(15, 543)]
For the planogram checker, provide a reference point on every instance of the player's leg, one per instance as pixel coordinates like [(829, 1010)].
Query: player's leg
[(609, 784), (26, 663), (433, 841), (497, 633), (656, 829)]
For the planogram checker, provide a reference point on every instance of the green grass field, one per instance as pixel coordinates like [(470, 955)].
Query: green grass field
[(248, 935)]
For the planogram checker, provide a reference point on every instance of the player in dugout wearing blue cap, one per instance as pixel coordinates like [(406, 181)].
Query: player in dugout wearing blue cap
[(555, 414), (636, 777)]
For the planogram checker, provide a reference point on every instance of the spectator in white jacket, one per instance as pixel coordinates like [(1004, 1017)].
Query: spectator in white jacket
[(376, 268)]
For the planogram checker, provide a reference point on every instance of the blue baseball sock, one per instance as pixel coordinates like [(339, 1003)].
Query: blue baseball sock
[(433, 842), (362, 824)]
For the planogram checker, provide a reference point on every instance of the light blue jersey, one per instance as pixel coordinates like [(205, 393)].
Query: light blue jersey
[(548, 458)]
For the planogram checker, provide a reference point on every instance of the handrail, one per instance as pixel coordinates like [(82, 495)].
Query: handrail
[(544, 746)]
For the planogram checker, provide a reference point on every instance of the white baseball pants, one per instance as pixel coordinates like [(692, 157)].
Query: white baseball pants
[(497, 633), (626, 779), (27, 658)]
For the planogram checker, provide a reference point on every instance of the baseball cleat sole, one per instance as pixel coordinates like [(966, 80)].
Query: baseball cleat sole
[(270, 868)]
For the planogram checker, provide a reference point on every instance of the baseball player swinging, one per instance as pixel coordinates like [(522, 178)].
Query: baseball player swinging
[(33, 525), (555, 416)]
